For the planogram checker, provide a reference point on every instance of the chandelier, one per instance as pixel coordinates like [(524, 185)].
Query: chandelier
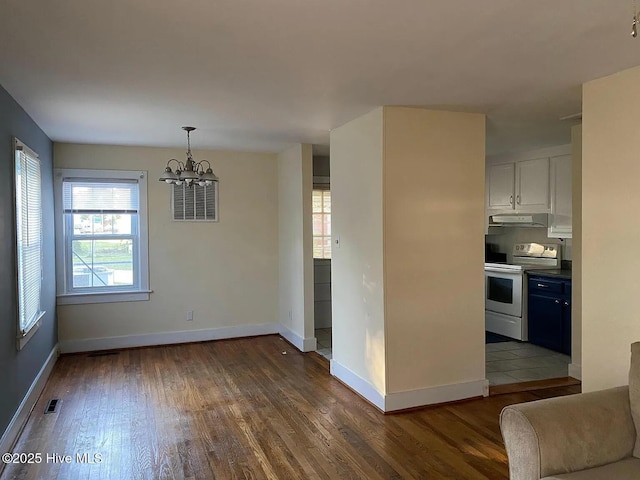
[(190, 172)]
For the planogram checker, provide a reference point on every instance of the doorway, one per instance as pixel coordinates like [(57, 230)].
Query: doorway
[(321, 211), (511, 364)]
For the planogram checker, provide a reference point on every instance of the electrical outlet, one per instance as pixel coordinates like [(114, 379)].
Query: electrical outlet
[(189, 315)]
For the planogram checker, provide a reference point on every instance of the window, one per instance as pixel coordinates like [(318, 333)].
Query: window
[(195, 203), (321, 224), (28, 195), (102, 233)]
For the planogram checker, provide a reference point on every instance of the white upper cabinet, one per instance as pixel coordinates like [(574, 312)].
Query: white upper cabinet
[(500, 186), (519, 186), (560, 220), (532, 185)]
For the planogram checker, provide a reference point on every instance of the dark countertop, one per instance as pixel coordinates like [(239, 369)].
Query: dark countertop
[(552, 272)]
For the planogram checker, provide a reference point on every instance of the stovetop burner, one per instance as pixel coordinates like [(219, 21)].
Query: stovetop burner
[(528, 256)]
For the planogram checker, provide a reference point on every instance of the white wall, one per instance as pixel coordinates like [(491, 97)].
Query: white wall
[(295, 183), (357, 263), (434, 177), (610, 228), (552, 151), (229, 275)]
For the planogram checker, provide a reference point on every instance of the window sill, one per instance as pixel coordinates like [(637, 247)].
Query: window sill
[(103, 297), (22, 340)]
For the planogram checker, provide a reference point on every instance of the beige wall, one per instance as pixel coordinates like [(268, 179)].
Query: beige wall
[(576, 230), (433, 179), (408, 307), (295, 183), (610, 228), (357, 264), (225, 272)]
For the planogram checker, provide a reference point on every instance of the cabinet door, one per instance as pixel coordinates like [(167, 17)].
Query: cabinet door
[(545, 322), (532, 185), (500, 186), (561, 200)]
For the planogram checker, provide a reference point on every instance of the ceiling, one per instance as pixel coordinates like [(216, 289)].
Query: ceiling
[(261, 75)]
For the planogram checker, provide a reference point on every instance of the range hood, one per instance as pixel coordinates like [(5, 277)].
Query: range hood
[(520, 220)]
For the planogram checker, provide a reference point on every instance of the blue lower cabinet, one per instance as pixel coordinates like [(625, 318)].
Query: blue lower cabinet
[(549, 313), (545, 322)]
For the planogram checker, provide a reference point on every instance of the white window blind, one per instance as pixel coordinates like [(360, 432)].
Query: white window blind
[(195, 203), (28, 237), (85, 196)]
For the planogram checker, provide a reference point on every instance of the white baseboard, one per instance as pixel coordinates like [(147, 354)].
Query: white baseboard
[(302, 344), (22, 413), (414, 398), (434, 395), (357, 383), (166, 338), (575, 371)]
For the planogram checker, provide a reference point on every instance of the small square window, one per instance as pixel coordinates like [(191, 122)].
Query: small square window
[(321, 211)]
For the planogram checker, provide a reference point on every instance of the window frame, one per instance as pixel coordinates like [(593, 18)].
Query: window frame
[(24, 332), (66, 294)]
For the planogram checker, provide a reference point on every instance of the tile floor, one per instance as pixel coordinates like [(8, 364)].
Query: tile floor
[(506, 362), (323, 335), (513, 362)]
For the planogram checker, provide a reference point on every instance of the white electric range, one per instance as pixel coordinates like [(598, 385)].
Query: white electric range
[(506, 288)]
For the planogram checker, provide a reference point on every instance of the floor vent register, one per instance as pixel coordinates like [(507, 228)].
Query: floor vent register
[(52, 405), (103, 354)]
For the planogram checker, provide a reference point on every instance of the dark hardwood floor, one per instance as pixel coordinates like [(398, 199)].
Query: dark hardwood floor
[(238, 409)]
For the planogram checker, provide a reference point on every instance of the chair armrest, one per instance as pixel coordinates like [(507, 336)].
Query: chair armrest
[(567, 434)]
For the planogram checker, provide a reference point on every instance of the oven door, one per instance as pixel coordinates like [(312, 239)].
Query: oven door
[(503, 291)]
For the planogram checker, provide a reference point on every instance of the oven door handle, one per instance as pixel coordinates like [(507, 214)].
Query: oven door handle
[(504, 271)]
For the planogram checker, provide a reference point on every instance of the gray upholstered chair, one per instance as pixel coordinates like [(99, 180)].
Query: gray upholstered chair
[(590, 436)]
